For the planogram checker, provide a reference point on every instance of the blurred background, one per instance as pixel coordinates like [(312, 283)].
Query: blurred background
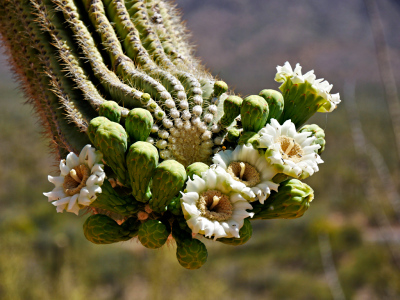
[(346, 246)]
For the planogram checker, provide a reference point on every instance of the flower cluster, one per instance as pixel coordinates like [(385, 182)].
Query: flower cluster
[(261, 152)]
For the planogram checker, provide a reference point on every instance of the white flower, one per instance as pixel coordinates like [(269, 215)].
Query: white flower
[(213, 204), (321, 86), (246, 165), (292, 153), (79, 181)]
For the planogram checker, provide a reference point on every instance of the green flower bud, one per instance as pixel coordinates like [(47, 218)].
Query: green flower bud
[(145, 98), (111, 139), (196, 168), (245, 234), (138, 124), (232, 106), (111, 110), (142, 160), (319, 134), (254, 113), (175, 206), (275, 103), (153, 234), (101, 229), (191, 254), (291, 201), (233, 135), (220, 87), (94, 124), (167, 181)]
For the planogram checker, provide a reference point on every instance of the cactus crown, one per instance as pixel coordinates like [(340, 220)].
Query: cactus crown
[(121, 75)]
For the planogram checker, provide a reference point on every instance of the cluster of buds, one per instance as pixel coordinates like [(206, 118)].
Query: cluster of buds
[(253, 173)]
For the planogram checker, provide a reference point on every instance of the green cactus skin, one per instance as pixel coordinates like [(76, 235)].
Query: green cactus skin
[(196, 169), (110, 200), (138, 124), (142, 160), (232, 106), (111, 110), (319, 135), (111, 139), (249, 138), (168, 179), (191, 254), (254, 113), (101, 229), (275, 103), (153, 234), (245, 234), (119, 91), (290, 202), (67, 52), (233, 135)]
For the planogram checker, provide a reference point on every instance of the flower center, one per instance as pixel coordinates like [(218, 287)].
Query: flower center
[(244, 172), (76, 179), (290, 149), (215, 206)]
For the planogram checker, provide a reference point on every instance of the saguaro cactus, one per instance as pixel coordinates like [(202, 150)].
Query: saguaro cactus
[(175, 151)]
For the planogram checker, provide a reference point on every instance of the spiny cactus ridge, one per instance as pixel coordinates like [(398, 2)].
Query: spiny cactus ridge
[(176, 153)]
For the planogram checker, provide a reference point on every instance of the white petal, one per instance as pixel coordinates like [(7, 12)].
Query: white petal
[(72, 160), (73, 205), (211, 179), (56, 180), (61, 202), (191, 209), (190, 197), (56, 194), (83, 155), (91, 157), (64, 168)]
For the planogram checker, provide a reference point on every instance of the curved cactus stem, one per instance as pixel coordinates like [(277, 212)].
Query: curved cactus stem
[(120, 92)]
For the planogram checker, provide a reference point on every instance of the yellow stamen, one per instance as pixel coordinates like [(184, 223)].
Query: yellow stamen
[(290, 147), (73, 174), (216, 200), (242, 169)]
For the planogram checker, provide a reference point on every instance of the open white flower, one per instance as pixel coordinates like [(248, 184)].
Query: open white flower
[(246, 165), (321, 87), (292, 153), (213, 204), (79, 181)]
